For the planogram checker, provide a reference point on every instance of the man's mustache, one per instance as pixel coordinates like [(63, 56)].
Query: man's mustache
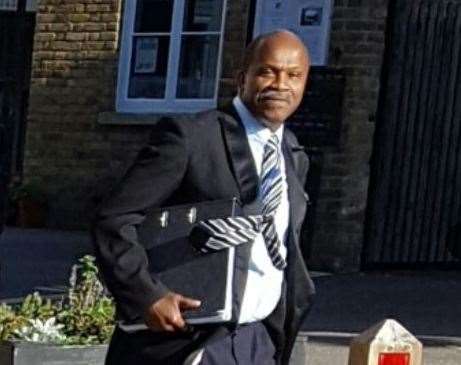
[(274, 95)]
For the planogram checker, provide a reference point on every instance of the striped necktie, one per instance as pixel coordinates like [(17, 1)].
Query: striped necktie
[(270, 191), (216, 234)]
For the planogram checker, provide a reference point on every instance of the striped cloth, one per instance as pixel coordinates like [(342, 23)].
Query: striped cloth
[(271, 194), (233, 231)]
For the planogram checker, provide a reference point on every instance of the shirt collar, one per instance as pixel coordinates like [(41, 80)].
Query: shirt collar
[(254, 127)]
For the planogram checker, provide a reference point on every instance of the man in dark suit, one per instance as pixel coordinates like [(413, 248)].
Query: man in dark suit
[(217, 155)]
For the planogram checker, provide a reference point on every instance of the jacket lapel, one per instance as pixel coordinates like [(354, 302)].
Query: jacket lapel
[(300, 287), (296, 194), (239, 154)]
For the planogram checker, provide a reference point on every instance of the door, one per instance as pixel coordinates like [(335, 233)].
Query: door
[(16, 40), (415, 185)]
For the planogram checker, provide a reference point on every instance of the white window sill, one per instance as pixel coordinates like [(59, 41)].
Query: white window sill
[(114, 118)]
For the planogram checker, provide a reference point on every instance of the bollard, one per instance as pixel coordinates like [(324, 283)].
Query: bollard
[(386, 343)]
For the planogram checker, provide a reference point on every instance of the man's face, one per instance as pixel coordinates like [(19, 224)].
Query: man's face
[(272, 87)]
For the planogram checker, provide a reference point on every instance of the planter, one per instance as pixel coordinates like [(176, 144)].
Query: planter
[(27, 353)]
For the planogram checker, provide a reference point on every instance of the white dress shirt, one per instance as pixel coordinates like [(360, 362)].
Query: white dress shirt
[(264, 282)]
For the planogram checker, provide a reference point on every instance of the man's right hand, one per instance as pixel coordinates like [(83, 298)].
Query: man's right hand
[(165, 313)]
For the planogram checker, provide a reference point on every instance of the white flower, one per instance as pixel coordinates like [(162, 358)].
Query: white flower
[(42, 331)]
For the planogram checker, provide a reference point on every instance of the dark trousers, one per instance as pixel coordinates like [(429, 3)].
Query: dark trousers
[(248, 345)]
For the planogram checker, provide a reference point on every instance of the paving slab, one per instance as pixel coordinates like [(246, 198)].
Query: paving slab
[(427, 303), (31, 258)]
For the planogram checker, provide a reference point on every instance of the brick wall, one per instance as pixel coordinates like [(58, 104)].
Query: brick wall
[(74, 62), (357, 45), (233, 47)]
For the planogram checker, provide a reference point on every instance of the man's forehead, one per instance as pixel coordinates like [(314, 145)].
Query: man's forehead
[(281, 45), (281, 55)]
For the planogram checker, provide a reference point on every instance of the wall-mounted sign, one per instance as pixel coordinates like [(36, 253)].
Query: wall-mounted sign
[(309, 19)]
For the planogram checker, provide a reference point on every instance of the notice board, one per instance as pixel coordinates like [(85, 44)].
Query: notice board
[(309, 19)]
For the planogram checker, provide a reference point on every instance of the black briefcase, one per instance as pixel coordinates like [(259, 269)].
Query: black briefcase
[(208, 277)]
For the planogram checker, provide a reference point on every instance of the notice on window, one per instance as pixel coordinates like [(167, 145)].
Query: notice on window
[(31, 5), (9, 5), (146, 55), (309, 19)]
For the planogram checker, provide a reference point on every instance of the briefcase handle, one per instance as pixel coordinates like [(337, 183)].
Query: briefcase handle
[(165, 215)]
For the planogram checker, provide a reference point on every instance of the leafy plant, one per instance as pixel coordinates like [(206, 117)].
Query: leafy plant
[(36, 307), (10, 322), (85, 316), (88, 315), (41, 331)]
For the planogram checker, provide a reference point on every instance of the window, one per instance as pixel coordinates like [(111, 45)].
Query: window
[(12, 5), (170, 55), (9, 5)]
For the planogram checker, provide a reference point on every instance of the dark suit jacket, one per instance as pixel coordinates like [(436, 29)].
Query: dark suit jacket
[(198, 158)]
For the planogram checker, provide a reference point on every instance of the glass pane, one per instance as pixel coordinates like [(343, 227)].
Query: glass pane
[(203, 15), (153, 16), (198, 65), (8, 4), (149, 64)]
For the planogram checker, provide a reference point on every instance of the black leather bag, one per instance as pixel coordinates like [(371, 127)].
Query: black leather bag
[(209, 277)]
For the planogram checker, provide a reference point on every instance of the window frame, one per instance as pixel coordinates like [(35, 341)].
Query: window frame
[(9, 5), (169, 104), (12, 5)]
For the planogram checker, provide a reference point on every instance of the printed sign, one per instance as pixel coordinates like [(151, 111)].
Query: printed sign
[(31, 5), (309, 19), (146, 55), (9, 5)]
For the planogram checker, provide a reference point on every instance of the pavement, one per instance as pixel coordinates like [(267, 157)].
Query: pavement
[(35, 258), (427, 303)]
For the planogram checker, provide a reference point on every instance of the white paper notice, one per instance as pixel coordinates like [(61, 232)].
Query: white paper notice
[(146, 55), (9, 5), (31, 5), (309, 19)]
